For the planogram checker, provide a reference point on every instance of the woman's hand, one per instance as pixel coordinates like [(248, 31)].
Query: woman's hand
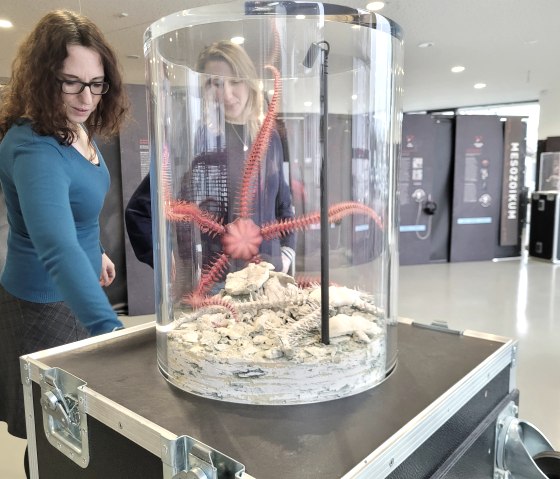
[(108, 272)]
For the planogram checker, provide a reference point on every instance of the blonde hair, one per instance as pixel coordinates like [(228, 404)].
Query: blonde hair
[(242, 66)]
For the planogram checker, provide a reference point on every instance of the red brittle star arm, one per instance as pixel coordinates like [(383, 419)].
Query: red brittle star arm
[(188, 212), (242, 237), (198, 297), (258, 151), (336, 213)]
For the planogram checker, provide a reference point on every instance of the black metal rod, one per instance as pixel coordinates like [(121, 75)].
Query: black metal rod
[(324, 198)]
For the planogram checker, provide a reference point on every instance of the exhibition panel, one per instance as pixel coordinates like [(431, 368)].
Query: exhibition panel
[(462, 193), (425, 182), (135, 166), (487, 187)]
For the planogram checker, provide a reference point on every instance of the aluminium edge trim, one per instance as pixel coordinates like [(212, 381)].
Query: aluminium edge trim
[(395, 450), (153, 438), (138, 429), (145, 433), (94, 340)]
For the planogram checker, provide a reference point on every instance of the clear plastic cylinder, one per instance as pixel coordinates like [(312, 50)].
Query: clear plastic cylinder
[(275, 235)]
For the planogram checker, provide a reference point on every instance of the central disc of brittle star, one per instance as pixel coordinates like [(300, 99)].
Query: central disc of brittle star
[(242, 239)]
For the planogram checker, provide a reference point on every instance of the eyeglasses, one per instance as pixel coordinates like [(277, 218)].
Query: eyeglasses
[(74, 87)]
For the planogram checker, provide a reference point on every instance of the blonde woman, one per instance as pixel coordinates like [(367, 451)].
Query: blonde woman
[(234, 110)]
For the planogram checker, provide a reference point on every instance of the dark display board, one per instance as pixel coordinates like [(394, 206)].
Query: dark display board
[(302, 167), (111, 222), (442, 191), (425, 184), (477, 186), (514, 195), (489, 196), (135, 164)]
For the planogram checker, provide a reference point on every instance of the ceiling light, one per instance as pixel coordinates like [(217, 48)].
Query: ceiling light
[(374, 6), (238, 40), (6, 24), (300, 17), (426, 44), (458, 69), (479, 86), (307, 103)]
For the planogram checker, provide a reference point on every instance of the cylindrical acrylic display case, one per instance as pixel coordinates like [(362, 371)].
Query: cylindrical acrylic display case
[(549, 172), (275, 136)]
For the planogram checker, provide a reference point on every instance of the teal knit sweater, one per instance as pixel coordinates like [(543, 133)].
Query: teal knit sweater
[(54, 197)]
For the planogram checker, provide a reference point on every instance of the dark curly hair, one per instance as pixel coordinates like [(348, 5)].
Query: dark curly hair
[(34, 92)]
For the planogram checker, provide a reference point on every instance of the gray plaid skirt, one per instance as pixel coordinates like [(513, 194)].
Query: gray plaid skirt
[(26, 328)]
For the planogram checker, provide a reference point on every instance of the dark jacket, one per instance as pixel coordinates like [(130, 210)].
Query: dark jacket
[(138, 219), (204, 185)]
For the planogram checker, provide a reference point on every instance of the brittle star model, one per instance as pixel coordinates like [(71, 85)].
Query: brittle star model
[(242, 238)]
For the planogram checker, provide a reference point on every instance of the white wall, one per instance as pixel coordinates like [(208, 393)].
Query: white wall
[(549, 121)]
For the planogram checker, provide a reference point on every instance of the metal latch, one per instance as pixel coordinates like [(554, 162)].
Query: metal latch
[(195, 460), (64, 417), (200, 465)]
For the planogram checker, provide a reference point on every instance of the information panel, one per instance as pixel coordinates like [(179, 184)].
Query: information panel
[(477, 187), (135, 164)]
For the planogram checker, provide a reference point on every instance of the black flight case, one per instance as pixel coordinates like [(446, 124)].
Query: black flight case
[(100, 409)]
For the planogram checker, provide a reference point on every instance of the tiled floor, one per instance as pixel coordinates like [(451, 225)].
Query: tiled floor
[(514, 298)]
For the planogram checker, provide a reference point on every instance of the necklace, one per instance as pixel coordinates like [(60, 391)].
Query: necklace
[(245, 147), (89, 152)]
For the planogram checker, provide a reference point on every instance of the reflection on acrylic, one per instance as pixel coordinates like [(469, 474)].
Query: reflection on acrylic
[(240, 228)]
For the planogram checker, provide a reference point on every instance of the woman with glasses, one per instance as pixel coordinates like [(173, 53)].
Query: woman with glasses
[(65, 88)]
